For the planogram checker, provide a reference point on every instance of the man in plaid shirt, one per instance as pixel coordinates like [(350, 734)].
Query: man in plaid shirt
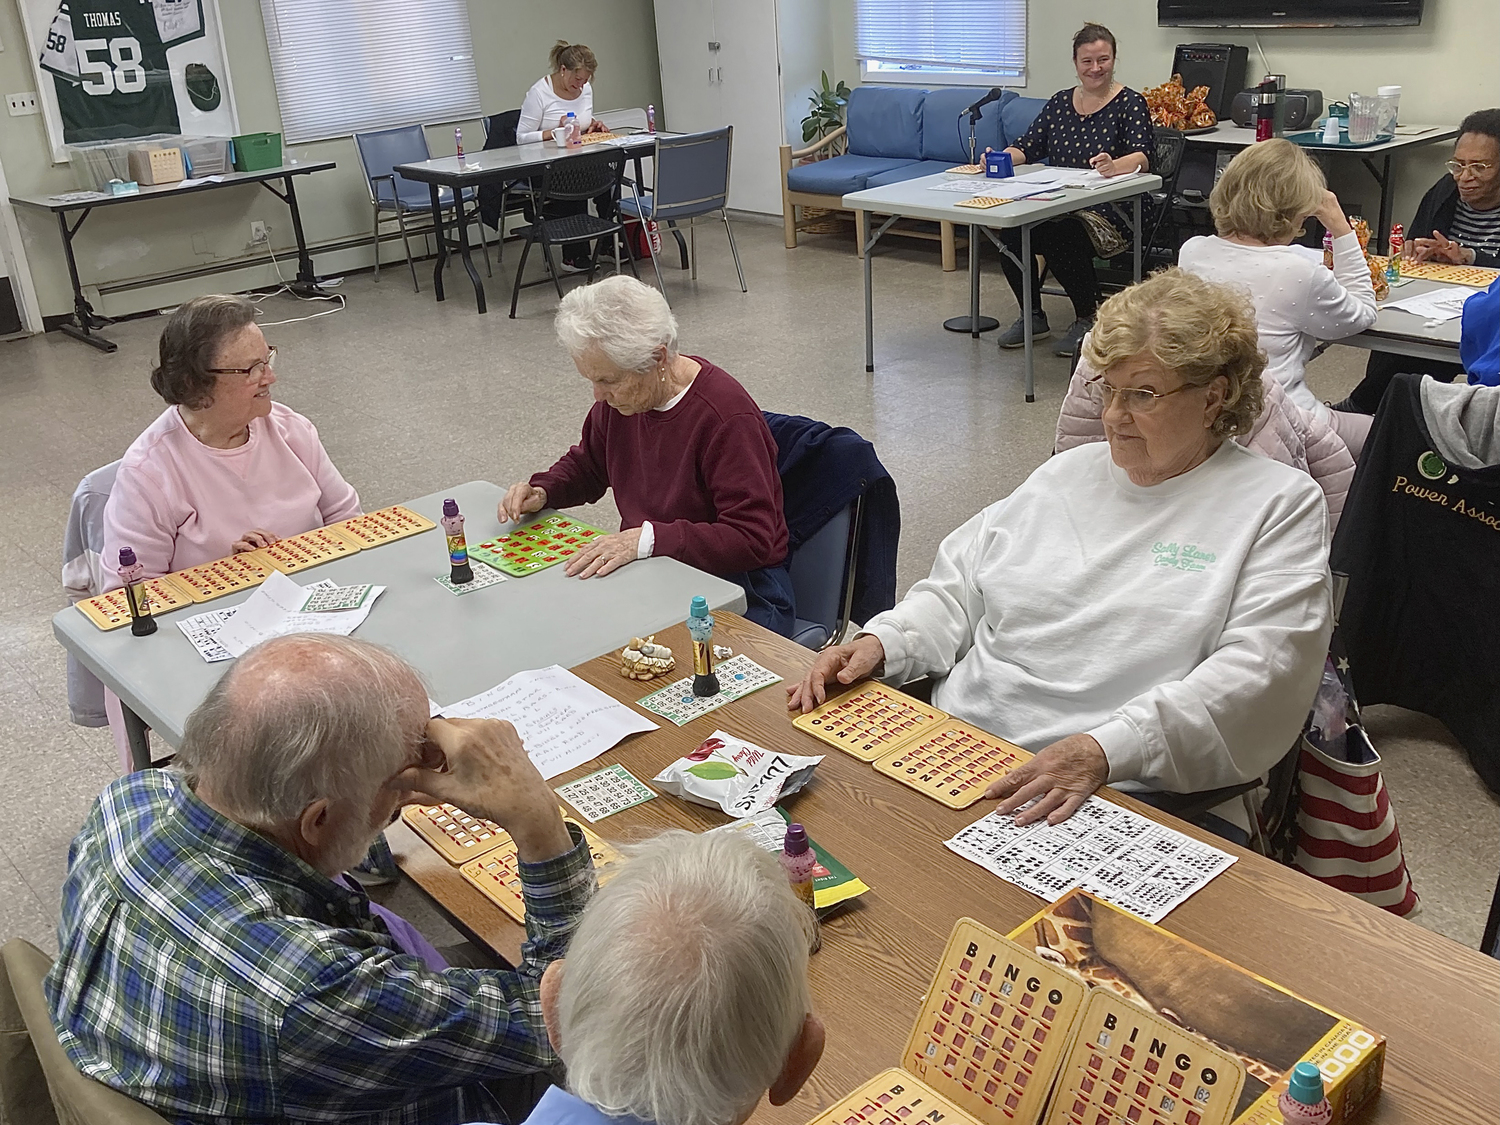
[(214, 967)]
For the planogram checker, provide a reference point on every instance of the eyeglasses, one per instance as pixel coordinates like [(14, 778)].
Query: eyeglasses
[(1478, 167), (1135, 400), (269, 363)]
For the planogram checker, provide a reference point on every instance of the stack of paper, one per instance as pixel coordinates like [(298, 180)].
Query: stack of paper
[(1435, 304), (278, 607)]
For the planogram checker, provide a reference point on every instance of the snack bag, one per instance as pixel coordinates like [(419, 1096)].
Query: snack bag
[(737, 776)]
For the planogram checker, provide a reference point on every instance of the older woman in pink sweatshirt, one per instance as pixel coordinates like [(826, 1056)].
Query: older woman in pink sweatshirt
[(223, 469)]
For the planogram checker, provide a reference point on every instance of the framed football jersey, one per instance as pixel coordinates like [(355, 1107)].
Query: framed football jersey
[(118, 69)]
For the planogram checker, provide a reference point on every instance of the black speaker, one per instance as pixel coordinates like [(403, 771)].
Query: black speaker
[(1300, 110), (1219, 66)]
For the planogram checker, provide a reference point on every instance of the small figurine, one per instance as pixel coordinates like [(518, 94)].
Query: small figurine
[(645, 659)]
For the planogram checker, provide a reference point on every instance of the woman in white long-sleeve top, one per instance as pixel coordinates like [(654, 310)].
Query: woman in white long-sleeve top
[(1259, 205), (1152, 612)]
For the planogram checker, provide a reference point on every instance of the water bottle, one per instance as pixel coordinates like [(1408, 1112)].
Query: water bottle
[(650, 119), (458, 143), (571, 121)]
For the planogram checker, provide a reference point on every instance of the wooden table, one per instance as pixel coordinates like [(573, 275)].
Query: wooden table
[(1434, 1000)]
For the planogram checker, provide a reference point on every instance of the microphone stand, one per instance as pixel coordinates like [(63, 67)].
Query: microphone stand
[(964, 323)]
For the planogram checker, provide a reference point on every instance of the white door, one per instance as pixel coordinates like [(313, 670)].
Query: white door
[(689, 86), (748, 74)]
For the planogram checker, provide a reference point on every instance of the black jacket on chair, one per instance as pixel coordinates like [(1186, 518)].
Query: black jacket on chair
[(823, 470)]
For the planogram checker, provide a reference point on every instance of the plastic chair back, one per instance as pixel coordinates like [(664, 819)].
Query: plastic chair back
[(76, 1099), (500, 129), (380, 152), (583, 177), (616, 119), (84, 573), (692, 174), (820, 571), (1170, 144)]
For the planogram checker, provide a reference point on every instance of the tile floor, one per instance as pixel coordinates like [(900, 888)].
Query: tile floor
[(411, 395)]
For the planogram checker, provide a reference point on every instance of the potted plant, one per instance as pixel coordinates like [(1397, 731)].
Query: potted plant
[(826, 114)]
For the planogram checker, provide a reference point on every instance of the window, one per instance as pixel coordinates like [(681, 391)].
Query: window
[(365, 64), (937, 42)]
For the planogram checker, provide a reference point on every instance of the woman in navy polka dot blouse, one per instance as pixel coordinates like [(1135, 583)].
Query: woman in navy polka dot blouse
[(1097, 124)]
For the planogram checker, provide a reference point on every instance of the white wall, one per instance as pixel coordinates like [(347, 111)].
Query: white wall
[(1448, 67), (511, 42)]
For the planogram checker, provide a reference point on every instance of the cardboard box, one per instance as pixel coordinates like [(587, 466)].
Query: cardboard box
[(156, 165)]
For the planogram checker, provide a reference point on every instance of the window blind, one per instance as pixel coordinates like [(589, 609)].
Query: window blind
[(369, 64), (958, 34)]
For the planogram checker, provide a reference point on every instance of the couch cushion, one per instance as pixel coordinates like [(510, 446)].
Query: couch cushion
[(885, 121), (945, 135), (841, 174), (1016, 117), (909, 172)]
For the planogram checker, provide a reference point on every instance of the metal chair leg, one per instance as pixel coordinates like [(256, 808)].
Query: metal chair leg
[(552, 267), (515, 291), (628, 257), (734, 250), (406, 242), (655, 265), (693, 247), (375, 206), (484, 240)]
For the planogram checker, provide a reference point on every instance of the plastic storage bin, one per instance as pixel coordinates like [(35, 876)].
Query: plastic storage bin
[(254, 152), (95, 163), (205, 156)]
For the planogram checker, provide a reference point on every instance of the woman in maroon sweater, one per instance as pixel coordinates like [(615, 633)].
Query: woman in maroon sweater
[(683, 445)]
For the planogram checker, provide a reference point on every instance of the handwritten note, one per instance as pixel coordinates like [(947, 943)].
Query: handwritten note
[(562, 720), (276, 609)]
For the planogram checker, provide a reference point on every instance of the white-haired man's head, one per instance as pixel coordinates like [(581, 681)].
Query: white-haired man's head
[(301, 739), (685, 996)]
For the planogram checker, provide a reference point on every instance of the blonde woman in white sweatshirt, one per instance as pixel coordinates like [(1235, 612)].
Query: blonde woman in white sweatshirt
[(1259, 205), (1152, 612)]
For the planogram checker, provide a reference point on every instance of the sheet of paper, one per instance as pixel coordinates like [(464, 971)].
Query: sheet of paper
[(605, 792), (202, 629), (1113, 853), (738, 677), (484, 577), (563, 721), (1071, 177), (275, 610), (1010, 187), (1435, 304)]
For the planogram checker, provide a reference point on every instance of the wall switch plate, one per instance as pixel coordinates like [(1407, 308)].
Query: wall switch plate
[(23, 104)]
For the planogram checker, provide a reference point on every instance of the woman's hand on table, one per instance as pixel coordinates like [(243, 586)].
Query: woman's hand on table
[(254, 540), (1438, 248), (606, 555), (1061, 777), (1107, 165), (520, 500), (597, 126), (841, 665)]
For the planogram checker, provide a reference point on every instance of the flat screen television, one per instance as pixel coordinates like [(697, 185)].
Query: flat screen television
[(1288, 13)]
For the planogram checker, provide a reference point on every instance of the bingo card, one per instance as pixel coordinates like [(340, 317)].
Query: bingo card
[(982, 202), (1481, 277), (453, 833), (388, 524), (321, 545), (995, 1026), (894, 1098), (605, 792), (224, 576), (739, 676), (869, 721), (484, 578), (536, 546), (595, 138), (498, 877), (111, 610), (1129, 1066), (965, 169), (952, 763)]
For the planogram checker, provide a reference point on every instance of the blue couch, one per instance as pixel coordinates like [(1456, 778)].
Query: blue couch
[(897, 133)]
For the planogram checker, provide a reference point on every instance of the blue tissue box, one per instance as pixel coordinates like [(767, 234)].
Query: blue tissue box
[(998, 166)]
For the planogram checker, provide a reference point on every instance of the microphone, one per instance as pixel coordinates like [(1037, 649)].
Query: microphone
[(993, 96)]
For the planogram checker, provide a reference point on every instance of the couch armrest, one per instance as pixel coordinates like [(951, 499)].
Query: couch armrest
[(821, 144)]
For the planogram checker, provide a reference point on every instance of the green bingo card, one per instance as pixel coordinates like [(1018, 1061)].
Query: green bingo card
[(536, 546)]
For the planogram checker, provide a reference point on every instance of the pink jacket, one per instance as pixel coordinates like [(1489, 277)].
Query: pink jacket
[(1284, 432)]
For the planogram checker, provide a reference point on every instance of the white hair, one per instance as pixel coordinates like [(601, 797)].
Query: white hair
[(300, 718), (626, 319), (686, 983)]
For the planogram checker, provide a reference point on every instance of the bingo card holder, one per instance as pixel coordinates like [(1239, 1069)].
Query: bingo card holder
[(497, 873), (224, 576), (894, 1097), (536, 546), (453, 833), (965, 169), (383, 526), (111, 610), (952, 763), (1131, 1066), (982, 202), (299, 552), (595, 138), (1481, 277), (995, 1026), (869, 721)]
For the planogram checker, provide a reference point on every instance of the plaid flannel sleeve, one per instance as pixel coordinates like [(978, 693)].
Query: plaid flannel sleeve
[(374, 1029)]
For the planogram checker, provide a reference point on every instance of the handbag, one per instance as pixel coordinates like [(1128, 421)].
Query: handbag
[(1108, 242)]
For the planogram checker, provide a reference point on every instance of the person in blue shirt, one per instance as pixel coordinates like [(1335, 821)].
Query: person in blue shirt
[(684, 997)]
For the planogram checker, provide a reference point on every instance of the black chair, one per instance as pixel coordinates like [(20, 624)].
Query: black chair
[(573, 179), (496, 201)]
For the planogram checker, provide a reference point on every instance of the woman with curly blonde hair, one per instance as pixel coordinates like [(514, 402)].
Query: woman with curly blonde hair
[(1153, 611)]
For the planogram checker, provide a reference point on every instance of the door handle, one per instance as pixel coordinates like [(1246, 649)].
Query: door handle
[(721, 74)]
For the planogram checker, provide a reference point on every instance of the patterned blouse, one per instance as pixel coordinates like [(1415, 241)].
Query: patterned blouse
[(1066, 138)]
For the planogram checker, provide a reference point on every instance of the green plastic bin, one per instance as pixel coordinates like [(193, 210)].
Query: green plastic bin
[(254, 152)]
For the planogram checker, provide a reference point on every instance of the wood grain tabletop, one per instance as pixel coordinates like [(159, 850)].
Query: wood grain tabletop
[(1437, 1002)]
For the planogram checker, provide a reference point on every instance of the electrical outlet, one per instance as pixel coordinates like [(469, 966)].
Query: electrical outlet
[(21, 105), (259, 231)]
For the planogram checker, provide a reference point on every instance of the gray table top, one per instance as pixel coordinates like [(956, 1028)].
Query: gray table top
[(182, 187), (915, 199), (517, 160), (1229, 135), (462, 645), (1396, 330)]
